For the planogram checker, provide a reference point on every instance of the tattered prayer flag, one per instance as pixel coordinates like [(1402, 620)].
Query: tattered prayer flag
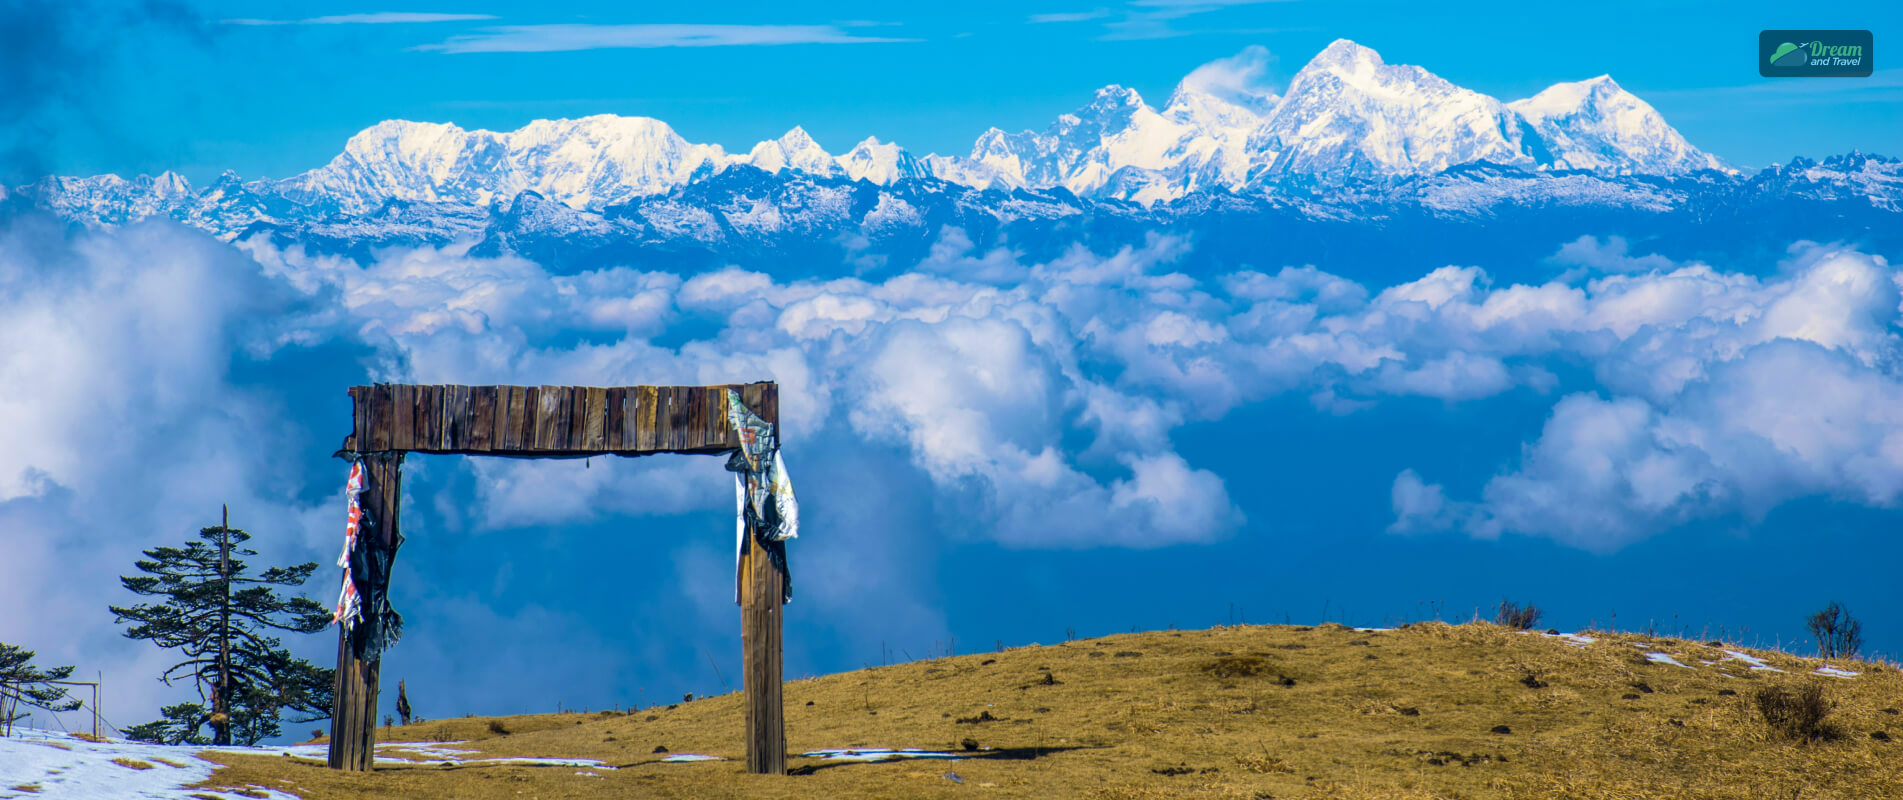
[(763, 494), (349, 605), (787, 506), (353, 492)]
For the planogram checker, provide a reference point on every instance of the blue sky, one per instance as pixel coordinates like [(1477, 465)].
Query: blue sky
[(1664, 441), (187, 87)]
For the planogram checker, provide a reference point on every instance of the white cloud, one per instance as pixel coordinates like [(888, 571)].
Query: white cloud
[(565, 37), (1239, 79), (1419, 506), (378, 18), (1609, 255), (1071, 16), (1731, 395)]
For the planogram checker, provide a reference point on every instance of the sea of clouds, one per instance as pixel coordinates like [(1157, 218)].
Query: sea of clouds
[(156, 373)]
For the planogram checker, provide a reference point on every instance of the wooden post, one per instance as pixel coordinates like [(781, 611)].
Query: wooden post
[(761, 593), (354, 707), (353, 717)]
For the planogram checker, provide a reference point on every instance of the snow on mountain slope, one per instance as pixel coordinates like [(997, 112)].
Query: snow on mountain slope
[(583, 163), (1349, 115), (883, 164), (1070, 152), (1596, 125), (110, 198), (1120, 146)]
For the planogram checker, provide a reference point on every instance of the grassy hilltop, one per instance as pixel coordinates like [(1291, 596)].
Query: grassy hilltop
[(1426, 711)]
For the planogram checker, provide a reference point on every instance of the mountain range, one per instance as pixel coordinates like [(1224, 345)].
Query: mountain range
[(1352, 138)]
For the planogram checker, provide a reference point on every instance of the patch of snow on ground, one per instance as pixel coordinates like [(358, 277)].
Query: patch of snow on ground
[(1574, 639), (877, 754), (1755, 662), (416, 753), (1835, 672), (687, 757), (1664, 658), (65, 766), (61, 765)]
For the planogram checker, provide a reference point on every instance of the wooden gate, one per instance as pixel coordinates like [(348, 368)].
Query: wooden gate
[(392, 420)]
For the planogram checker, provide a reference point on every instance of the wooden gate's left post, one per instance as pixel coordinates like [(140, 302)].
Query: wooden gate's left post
[(353, 718)]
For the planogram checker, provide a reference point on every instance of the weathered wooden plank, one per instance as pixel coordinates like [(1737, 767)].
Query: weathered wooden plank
[(429, 407), (403, 428), (686, 420), (613, 425), (499, 424), (418, 416), (565, 435), (482, 418), (594, 435), (691, 417), (521, 415), (382, 415), (360, 417), (510, 427), (770, 401), (441, 424), (578, 418), (456, 418), (715, 435), (548, 417), (646, 411), (509, 404), (531, 404)]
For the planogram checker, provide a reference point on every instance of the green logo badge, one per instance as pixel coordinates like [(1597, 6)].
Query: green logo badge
[(1815, 54)]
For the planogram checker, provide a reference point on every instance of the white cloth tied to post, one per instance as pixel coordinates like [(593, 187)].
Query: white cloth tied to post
[(763, 493)]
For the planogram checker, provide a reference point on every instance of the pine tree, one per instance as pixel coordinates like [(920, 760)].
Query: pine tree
[(22, 684), (220, 619)]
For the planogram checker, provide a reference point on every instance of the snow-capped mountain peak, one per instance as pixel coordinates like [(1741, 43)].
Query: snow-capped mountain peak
[(1349, 114), (1595, 124), (1343, 55), (584, 163), (883, 164), (794, 150)]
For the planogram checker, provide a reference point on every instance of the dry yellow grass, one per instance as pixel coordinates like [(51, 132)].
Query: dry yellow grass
[(1428, 711)]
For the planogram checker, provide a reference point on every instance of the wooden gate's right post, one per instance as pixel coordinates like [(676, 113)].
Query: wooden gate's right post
[(760, 613), (762, 595)]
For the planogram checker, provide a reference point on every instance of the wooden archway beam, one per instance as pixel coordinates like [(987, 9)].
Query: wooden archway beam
[(552, 421)]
